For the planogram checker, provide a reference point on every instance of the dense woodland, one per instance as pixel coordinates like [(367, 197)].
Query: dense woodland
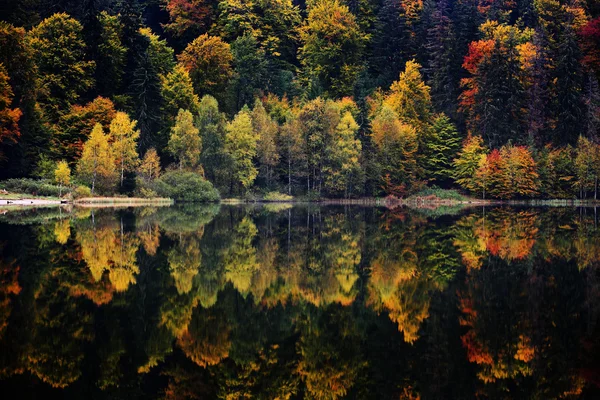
[(334, 98)]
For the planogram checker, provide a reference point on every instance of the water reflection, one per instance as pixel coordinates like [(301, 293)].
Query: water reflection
[(303, 302)]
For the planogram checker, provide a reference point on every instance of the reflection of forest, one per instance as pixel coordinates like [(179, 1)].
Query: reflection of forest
[(299, 302)]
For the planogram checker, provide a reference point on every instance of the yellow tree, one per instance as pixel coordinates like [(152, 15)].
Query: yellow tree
[(149, 168), (266, 131), (240, 146), (62, 175), (343, 172), (123, 136), (185, 142), (97, 162)]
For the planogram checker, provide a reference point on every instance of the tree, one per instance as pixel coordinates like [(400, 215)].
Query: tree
[(240, 146), (440, 148), (149, 168), (468, 161), (208, 60), (74, 128), (587, 167), (210, 122), (97, 163), (250, 69), (185, 142), (178, 93), (112, 54), (343, 173), (292, 146), (123, 137), (332, 46), (397, 144), (518, 174), (9, 117), (266, 130), (409, 97), (64, 73), (159, 53), (188, 17), (62, 175)]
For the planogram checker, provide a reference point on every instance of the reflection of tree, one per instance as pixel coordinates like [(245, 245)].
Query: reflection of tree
[(206, 341), (9, 286), (62, 230), (240, 257), (107, 248), (60, 329), (184, 260), (329, 362)]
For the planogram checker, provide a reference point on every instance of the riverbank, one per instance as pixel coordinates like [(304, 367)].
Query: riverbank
[(26, 200)]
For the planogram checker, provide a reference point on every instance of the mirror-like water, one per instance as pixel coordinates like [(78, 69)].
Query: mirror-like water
[(306, 302)]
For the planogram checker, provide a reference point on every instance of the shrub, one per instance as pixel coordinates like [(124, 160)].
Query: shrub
[(185, 186), (36, 187), (276, 196), (443, 194), (81, 192)]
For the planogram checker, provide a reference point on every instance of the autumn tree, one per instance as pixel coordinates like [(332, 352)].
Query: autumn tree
[(189, 17), (62, 175), (64, 72), (9, 117), (397, 144), (518, 173), (149, 169), (332, 46), (240, 146), (587, 167), (266, 130), (123, 138), (211, 123), (178, 93), (291, 150), (208, 60), (185, 143), (468, 161), (74, 127), (97, 163)]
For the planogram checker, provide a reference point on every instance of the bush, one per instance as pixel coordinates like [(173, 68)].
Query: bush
[(276, 196), (81, 192), (443, 194), (185, 186), (35, 187)]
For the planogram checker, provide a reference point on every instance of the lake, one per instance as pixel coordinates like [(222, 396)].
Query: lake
[(303, 302)]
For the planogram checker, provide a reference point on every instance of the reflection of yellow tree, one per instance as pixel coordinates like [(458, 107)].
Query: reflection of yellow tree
[(106, 249), (240, 258), (149, 236), (62, 230), (184, 261)]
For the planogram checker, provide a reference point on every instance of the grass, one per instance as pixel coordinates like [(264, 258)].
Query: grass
[(19, 196), (122, 200), (442, 194)]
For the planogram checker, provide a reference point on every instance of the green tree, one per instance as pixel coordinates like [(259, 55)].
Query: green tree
[(123, 136), (332, 46), (250, 69), (468, 161), (587, 167), (64, 73), (240, 146), (185, 142), (440, 149), (161, 56), (211, 123), (97, 163), (178, 93), (343, 173), (112, 54), (62, 175)]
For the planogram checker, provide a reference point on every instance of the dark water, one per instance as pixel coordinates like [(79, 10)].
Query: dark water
[(304, 302)]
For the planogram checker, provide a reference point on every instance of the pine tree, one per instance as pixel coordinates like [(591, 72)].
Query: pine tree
[(440, 149)]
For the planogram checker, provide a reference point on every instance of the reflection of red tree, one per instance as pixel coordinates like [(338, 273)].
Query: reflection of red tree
[(9, 285)]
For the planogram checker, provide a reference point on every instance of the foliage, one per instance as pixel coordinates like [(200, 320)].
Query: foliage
[(62, 175), (81, 192), (468, 161), (276, 196), (123, 138), (240, 146), (185, 186), (185, 142), (37, 187), (96, 166)]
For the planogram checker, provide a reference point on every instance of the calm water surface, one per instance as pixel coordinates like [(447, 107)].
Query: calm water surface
[(275, 302)]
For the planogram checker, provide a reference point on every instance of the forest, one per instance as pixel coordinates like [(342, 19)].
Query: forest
[(197, 99)]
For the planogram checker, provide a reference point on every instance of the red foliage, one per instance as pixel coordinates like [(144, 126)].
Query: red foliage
[(590, 44), (187, 14), (9, 117)]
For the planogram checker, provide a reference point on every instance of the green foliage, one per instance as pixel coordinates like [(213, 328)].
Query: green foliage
[(37, 187), (440, 149), (276, 196), (185, 186), (81, 192), (64, 73), (45, 168), (240, 147), (467, 163), (185, 142)]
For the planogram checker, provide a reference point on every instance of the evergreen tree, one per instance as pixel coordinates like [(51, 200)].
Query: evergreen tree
[(440, 149)]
